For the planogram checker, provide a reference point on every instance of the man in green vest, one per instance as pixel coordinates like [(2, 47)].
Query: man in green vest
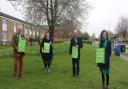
[(18, 50), (75, 45)]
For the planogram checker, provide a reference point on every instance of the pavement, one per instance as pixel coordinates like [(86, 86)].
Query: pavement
[(124, 57)]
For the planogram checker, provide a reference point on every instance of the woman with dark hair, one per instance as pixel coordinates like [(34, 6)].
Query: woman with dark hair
[(104, 67), (46, 50)]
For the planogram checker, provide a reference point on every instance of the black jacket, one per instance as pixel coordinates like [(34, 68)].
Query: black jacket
[(73, 43), (51, 46)]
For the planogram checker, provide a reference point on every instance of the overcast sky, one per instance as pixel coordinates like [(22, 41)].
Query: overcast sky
[(104, 15), (7, 8)]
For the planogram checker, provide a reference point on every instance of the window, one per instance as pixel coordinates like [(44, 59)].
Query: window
[(4, 25), (25, 31), (34, 33), (14, 26), (4, 36), (4, 29), (37, 33), (30, 32)]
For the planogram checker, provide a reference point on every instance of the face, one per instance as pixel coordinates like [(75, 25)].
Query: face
[(104, 35), (19, 29), (75, 33), (48, 34)]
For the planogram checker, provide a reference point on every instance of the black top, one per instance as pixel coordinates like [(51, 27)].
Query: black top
[(76, 41), (51, 46)]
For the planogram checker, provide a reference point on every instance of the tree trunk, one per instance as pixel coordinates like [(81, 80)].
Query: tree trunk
[(51, 30)]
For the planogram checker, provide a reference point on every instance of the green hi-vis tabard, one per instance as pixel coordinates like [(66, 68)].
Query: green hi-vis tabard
[(22, 45), (100, 55), (46, 47), (74, 52)]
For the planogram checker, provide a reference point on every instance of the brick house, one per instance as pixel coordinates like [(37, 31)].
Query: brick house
[(8, 26)]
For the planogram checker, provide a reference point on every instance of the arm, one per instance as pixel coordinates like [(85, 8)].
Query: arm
[(14, 45), (110, 49), (70, 48), (81, 43), (52, 44), (41, 46)]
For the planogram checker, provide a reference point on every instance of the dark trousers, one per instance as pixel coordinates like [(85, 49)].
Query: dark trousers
[(46, 60), (105, 78), (75, 66)]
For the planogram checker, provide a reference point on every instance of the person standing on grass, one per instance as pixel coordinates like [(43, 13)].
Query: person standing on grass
[(104, 67), (46, 50), (75, 45), (18, 51)]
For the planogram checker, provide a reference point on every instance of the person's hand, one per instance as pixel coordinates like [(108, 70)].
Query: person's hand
[(42, 50), (76, 46)]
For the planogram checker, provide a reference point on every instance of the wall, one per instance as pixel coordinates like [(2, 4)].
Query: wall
[(0, 29), (10, 30), (26, 26)]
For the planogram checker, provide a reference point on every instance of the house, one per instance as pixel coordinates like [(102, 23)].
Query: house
[(64, 31), (123, 36), (8, 28)]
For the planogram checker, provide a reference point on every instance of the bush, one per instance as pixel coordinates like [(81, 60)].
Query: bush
[(60, 41), (87, 41)]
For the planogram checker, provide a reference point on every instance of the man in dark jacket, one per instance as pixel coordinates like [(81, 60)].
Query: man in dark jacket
[(75, 45)]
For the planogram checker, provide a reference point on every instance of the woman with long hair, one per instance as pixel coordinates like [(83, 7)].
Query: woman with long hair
[(104, 67), (46, 50)]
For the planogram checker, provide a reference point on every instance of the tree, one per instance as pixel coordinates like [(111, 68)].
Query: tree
[(93, 37), (110, 33), (85, 36), (52, 12), (122, 26)]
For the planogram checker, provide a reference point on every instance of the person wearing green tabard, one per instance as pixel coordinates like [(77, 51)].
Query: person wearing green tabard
[(104, 67), (18, 55), (46, 50), (75, 45), (22, 45)]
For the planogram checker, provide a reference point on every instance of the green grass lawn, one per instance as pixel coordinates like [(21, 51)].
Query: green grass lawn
[(61, 74), (4, 47)]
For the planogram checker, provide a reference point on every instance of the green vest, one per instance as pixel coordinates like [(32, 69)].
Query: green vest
[(18, 37), (46, 48), (22, 45), (100, 55), (74, 52)]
